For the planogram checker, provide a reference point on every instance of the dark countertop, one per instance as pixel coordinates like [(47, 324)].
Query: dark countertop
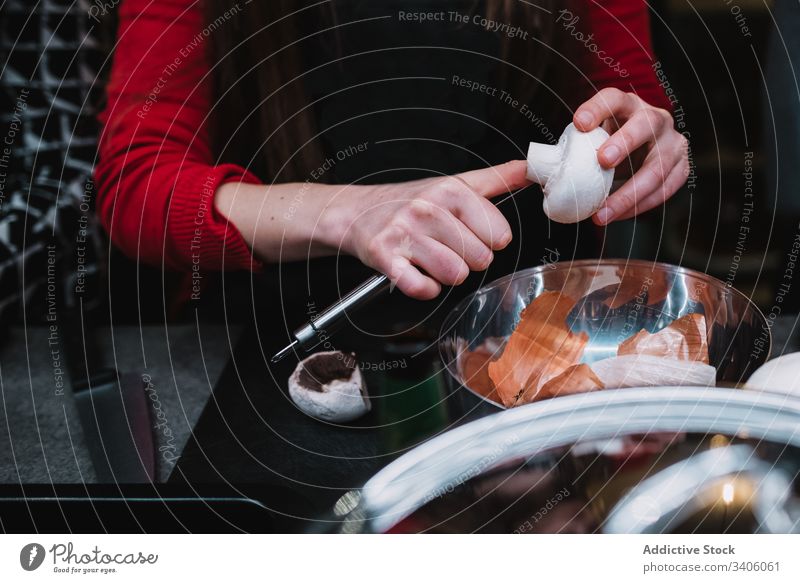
[(251, 433), (41, 440), (249, 439)]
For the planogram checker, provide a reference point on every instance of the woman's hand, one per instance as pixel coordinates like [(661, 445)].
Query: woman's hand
[(425, 233), (643, 145)]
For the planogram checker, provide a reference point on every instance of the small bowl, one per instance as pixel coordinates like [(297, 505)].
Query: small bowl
[(616, 298)]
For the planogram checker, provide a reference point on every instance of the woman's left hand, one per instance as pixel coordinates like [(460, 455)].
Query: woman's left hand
[(643, 145)]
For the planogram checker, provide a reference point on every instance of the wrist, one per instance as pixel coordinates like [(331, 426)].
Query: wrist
[(336, 230)]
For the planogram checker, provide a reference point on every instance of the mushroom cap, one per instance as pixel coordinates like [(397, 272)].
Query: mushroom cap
[(579, 185), (329, 386)]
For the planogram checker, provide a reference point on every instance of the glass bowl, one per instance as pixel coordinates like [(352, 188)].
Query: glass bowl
[(615, 299)]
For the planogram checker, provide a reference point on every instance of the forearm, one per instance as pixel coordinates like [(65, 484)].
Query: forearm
[(421, 234), (285, 222)]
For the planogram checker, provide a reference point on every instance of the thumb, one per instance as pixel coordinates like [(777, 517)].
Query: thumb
[(496, 180)]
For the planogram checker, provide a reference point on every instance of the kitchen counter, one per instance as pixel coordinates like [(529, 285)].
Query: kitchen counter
[(244, 435), (41, 440), (251, 433)]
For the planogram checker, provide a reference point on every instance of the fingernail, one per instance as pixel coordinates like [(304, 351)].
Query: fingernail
[(505, 239), (612, 154), (487, 261), (585, 118), (605, 214)]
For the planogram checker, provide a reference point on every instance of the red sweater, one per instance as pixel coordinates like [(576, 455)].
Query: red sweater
[(156, 177)]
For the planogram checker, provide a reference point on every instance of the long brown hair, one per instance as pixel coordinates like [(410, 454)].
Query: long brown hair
[(256, 93)]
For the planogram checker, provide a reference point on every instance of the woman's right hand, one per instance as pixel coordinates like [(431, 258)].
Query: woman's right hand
[(425, 233)]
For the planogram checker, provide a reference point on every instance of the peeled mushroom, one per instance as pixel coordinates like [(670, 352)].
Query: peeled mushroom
[(645, 370), (778, 375), (329, 386), (574, 184)]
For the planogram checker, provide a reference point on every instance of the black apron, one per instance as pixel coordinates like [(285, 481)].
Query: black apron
[(397, 96)]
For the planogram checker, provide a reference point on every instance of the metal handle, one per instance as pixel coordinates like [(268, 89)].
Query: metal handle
[(332, 316), (316, 331)]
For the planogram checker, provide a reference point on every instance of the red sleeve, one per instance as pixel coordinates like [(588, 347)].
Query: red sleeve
[(620, 52), (156, 177)]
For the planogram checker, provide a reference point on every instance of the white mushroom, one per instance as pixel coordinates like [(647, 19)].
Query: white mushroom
[(329, 386), (574, 183), (778, 375), (644, 370)]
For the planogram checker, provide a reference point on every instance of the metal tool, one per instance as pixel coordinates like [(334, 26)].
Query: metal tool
[(317, 330)]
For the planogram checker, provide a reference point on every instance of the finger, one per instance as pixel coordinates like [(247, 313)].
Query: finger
[(496, 180), (606, 103), (409, 280), (439, 261), (482, 218), (650, 176), (455, 235), (439, 217), (610, 125), (671, 185), (643, 127)]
